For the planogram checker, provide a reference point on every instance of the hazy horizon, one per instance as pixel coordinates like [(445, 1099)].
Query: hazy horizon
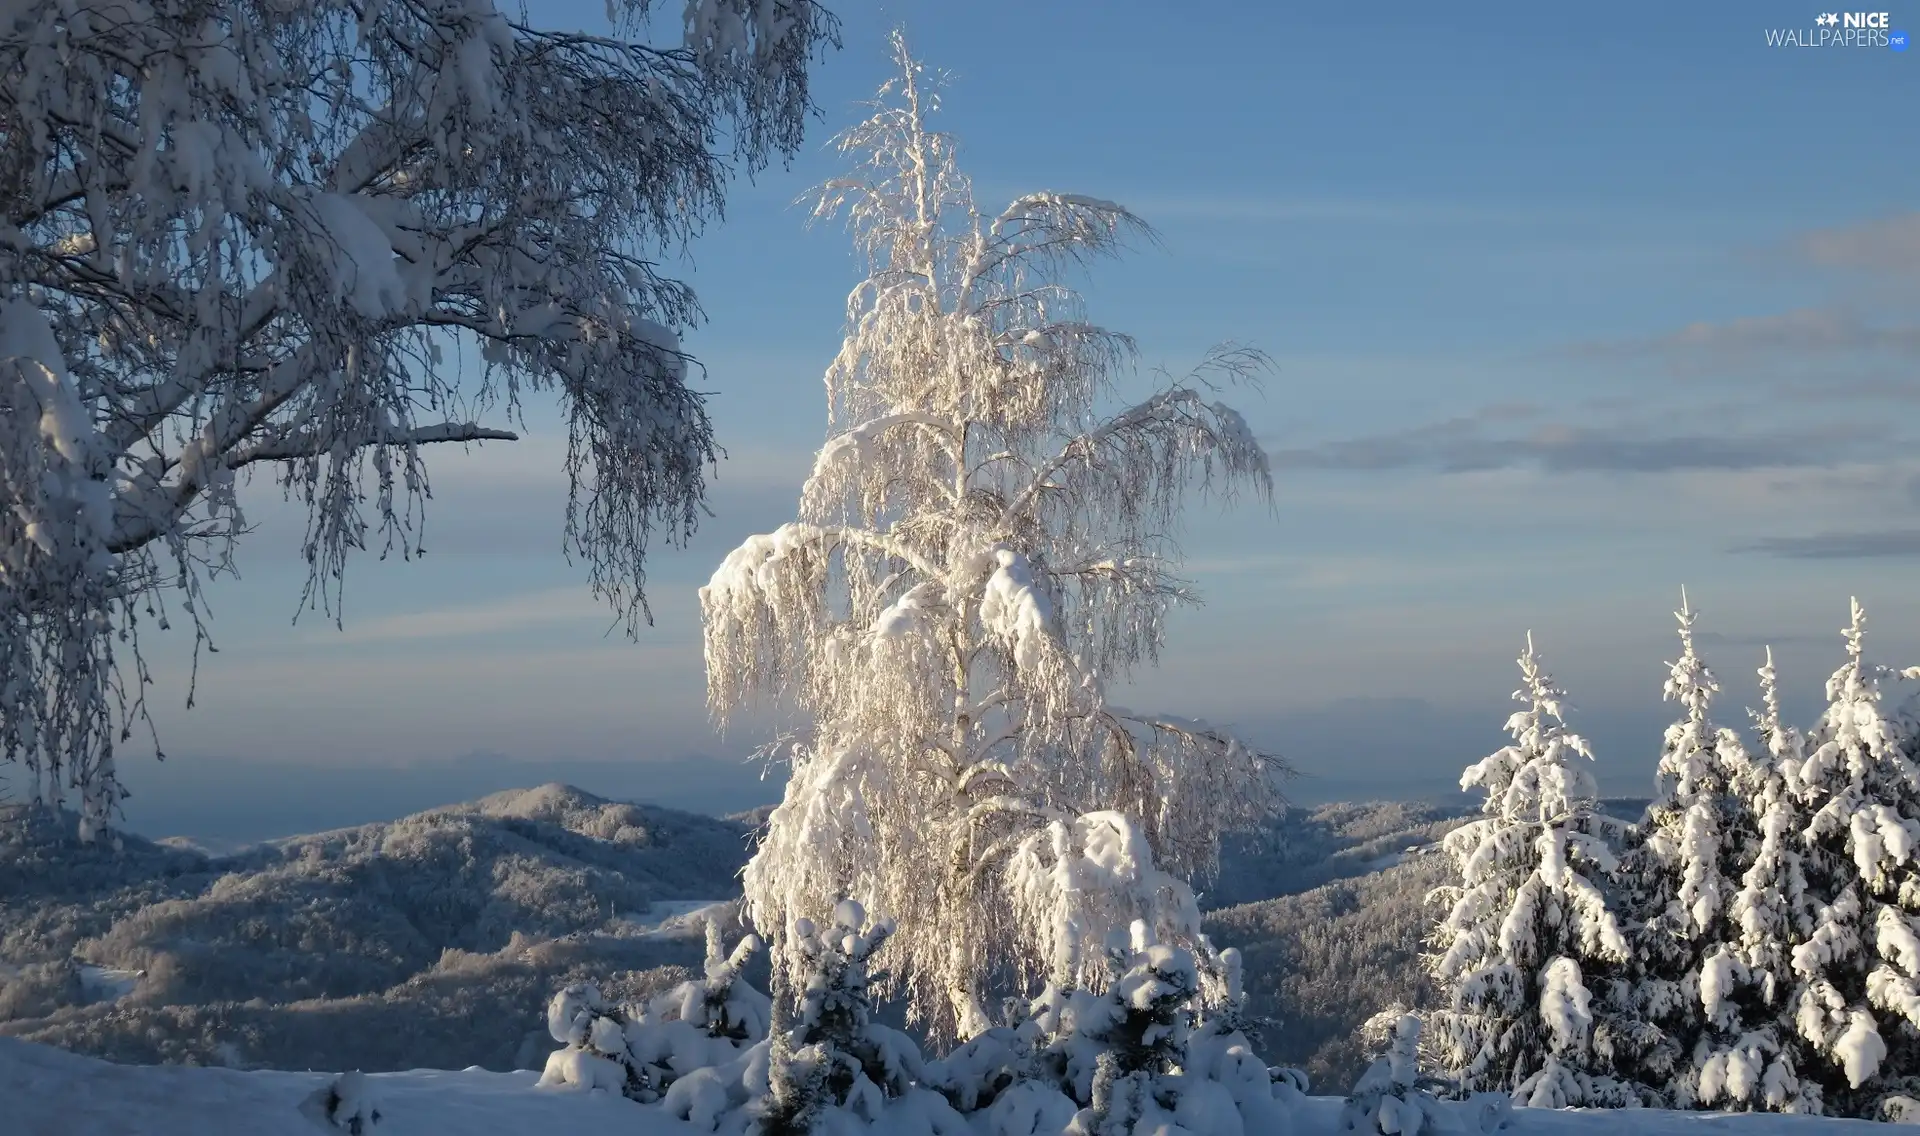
[(224, 800)]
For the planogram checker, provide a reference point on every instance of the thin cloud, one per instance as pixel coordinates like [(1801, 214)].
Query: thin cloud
[(512, 613), (1887, 544), (1461, 445), (1889, 485), (1787, 639), (1893, 386), (1887, 245), (1804, 331), (1281, 211)]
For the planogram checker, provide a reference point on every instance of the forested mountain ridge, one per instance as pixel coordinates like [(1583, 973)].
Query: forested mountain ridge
[(428, 940)]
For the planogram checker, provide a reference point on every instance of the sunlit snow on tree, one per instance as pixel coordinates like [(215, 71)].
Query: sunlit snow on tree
[(979, 551)]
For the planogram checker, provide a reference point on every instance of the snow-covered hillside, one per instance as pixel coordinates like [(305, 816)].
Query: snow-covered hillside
[(92, 941), (52, 1093), (428, 940)]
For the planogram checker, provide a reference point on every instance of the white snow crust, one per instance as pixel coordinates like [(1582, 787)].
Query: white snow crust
[(53, 1093)]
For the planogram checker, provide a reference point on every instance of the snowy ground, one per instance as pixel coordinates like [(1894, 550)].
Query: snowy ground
[(676, 918), (107, 984), (97, 983), (48, 1092)]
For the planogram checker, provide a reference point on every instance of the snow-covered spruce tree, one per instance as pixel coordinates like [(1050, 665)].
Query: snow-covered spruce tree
[(979, 551), (1140, 1038), (706, 1022), (250, 233), (1220, 1011), (1111, 1050), (346, 1104), (1747, 988), (1858, 1001), (1679, 875), (1529, 934)]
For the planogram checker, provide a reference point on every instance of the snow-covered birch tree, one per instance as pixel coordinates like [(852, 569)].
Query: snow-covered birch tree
[(1858, 1001), (240, 234), (1528, 935), (979, 551)]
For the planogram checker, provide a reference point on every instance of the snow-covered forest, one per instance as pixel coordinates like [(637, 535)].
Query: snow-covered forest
[(993, 901)]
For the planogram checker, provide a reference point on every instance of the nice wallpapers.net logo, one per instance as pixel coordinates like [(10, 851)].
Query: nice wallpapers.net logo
[(1842, 29)]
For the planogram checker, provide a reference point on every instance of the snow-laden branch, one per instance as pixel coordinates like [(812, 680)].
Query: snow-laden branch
[(289, 449), (1176, 427), (1050, 231), (244, 232)]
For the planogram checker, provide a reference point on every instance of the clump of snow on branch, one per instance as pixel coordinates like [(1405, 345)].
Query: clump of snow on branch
[(978, 553), (643, 1052), (1080, 877), (318, 238)]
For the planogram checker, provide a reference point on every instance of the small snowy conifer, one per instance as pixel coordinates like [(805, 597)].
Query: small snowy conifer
[(598, 1055), (346, 1103), (1392, 1098), (831, 1058), (721, 1004), (1158, 1043), (704, 1024)]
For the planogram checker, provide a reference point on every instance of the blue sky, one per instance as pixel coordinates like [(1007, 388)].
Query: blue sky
[(1572, 306)]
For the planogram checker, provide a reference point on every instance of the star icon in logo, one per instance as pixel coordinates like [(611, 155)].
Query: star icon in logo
[(1827, 19)]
